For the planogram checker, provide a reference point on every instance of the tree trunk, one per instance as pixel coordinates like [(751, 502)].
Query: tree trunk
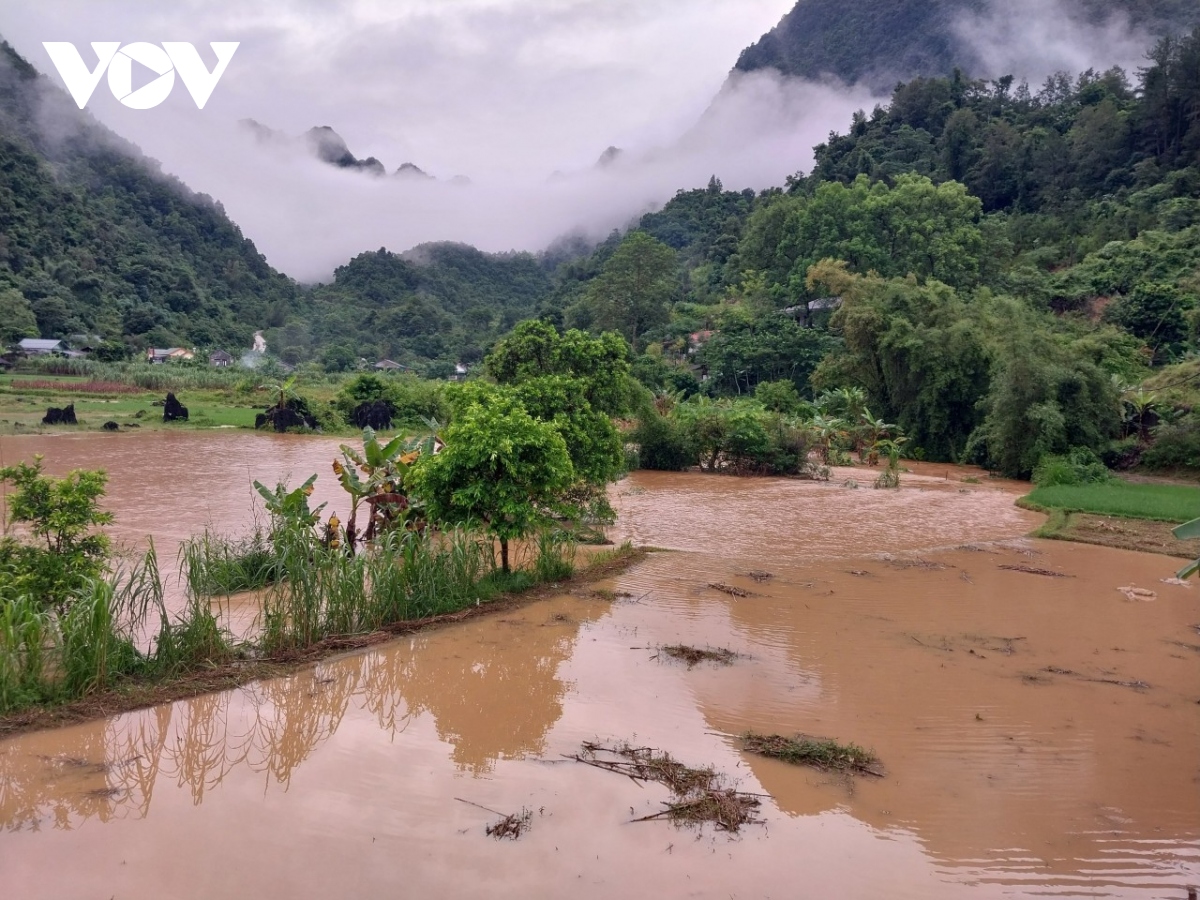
[(504, 555)]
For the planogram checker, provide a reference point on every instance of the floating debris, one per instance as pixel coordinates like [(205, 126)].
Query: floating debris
[(693, 656), (699, 794), (1034, 570), (1137, 685), (1138, 594), (820, 753), (510, 826), (760, 576), (729, 589)]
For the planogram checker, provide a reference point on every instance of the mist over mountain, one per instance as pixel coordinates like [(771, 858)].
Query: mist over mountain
[(880, 42)]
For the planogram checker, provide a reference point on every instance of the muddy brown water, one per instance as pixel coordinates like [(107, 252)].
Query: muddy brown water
[(1041, 734)]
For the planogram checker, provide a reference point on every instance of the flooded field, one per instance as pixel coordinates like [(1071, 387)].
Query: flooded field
[(1040, 731)]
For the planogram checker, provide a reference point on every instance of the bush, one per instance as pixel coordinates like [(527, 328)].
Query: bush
[(1175, 446), (662, 444), (1079, 466)]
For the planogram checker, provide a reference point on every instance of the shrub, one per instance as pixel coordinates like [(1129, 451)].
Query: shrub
[(1079, 466), (662, 444), (1176, 446)]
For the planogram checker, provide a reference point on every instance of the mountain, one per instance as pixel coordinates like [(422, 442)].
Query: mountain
[(95, 239), (882, 41), (325, 144)]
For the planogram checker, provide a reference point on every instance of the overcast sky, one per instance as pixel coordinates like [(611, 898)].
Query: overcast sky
[(505, 92)]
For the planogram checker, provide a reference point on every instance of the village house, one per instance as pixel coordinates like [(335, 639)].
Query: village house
[(220, 359), (154, 355), (41, 347), (386, 365)]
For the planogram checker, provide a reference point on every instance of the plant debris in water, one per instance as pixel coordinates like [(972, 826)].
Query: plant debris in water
[(511, 826), (821, 753), (729, 589), (760, 576), (693, 656), (1034, 570), (699, 796)]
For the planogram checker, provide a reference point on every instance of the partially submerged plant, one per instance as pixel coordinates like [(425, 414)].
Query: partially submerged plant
[(821, 753), (693, 656)]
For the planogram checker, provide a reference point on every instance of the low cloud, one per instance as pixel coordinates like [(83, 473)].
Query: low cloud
[(1033, 39)]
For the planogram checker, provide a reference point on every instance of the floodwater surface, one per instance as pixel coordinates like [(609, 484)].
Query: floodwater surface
[(1039, 730)]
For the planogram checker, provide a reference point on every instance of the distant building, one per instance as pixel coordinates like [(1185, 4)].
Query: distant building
[(40, 347), (154, 355), (386, 365), (460, 373), (804, 312), (220, 359)]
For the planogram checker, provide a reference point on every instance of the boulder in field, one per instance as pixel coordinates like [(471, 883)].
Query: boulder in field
[(64, 416), (173, 410), (374, 414)]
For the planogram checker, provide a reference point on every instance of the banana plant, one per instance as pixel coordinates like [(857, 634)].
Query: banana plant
[(1188, 531), (375, 476), (290, 507)]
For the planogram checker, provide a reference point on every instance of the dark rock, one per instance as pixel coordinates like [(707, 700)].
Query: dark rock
[(111, 426), (281, 419), (64, 416), (375, 414), (173, 410)]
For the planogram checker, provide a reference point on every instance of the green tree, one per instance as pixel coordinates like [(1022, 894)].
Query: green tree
[(500, 467), (62, 514), (634, 287), (17, 320), (536, 348)]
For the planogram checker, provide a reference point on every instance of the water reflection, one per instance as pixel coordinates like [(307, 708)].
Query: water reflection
[(490, 688)]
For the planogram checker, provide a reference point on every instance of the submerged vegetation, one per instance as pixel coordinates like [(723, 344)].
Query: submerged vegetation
[(821, 753)]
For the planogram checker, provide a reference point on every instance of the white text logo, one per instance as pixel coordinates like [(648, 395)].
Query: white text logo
[(118, 60)]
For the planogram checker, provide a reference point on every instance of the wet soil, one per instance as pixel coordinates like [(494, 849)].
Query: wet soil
[(1040, 734), (1129, 534)]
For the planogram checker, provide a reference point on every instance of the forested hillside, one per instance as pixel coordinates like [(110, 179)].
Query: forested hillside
[(885, 41), (1007, 266), (435, 305), (95, 240)]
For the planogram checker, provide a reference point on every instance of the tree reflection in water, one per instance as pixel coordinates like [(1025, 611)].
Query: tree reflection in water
[(491, 687)]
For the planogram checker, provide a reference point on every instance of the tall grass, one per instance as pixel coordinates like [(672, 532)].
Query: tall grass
[(213, 564), (118, 629), (112, 629), (403, 576)]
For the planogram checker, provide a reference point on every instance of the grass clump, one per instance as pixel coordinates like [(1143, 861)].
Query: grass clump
[(1160, 502), (820, 753), (693, 656), (215, 565)]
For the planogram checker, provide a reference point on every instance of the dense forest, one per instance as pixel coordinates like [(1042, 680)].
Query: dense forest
[(882, 41), (996, 269)]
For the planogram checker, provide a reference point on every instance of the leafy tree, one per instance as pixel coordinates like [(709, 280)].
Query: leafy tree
[(535, 349), (500, 467), (17, 320), (916, 350), (632, 291), (62, 514), (1044, 400)]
